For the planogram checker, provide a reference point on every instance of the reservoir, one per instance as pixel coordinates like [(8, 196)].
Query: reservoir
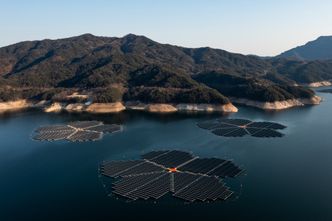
[(285, 178)]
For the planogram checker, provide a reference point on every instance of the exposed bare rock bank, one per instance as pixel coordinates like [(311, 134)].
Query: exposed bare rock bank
[(79, 107), (14, 105), (100, 108), (320, 84), (207, 107), (278, 105), (135, 106), (169, 108), (54, 108), (315, 100), (160, 108), (105, 108)]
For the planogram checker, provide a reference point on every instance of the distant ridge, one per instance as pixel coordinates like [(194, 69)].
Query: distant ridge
[(319, 49)]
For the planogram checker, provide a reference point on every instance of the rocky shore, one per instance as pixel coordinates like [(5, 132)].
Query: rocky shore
[(278, 105), (320, 84), (152, 108), (100, 108), (14, 105)]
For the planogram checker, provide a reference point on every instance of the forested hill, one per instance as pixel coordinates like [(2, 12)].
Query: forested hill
[(137, 68)]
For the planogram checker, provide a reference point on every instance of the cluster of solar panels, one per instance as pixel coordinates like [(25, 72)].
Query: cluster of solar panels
[(242, 127), (160, 172), (75, 131), (326, 90)]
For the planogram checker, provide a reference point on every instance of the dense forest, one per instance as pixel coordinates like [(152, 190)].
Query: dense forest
[(135, 68)]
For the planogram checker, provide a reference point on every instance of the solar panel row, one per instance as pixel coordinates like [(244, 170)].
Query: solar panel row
[(129, 184), (230, 132), (53, 135), (265, 133), (204, 188), (113, 168), (145, 167), (202, 165), (270, 125), (106, 128), (84, 124), (183, 179), (172, 159), (53, 128), (85, 136), (154, 154), (227, 169), (237, 122), (154, 189)]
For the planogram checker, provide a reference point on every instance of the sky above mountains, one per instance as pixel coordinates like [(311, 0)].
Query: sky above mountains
[(259, 27)]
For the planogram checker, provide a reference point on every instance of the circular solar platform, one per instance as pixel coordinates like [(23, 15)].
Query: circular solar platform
[(76, 131), (179, 173), (242, 127)]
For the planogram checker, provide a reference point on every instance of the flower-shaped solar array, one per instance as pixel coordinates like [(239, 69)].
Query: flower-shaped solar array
[(171, 171), (76, 131), (242, 127)]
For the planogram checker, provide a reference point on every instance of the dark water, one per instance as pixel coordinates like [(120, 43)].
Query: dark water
[(287, 178)]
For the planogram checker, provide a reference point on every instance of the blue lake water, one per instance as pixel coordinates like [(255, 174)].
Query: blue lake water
[(288, 178)]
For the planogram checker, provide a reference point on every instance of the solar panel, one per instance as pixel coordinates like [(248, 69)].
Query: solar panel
[(125, 187), (201, 189), (270, 125), (84, 124), (172, 158), (194, 179), (227, 169), (84, 136), (242, 127), (53, 135), (54, 128), (237, 122), (75, 131), (267, 133), (230, 132), (113, 169), (183, 179), (145, 167), (202, 165), (156, 188), (153, 154), (106, 128)]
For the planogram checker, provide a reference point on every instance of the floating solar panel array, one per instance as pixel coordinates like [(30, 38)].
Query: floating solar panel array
[(326, 90), (180, 173), (242, 127), (76, 131)]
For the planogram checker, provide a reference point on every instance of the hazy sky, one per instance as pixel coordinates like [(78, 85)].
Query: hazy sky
[(262, 27)]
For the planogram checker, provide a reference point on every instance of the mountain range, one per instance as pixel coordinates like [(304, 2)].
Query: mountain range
[(136, 68)]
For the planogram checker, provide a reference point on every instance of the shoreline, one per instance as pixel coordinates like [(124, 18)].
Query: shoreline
[(319, 84), (278, 105), (116, 107)]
